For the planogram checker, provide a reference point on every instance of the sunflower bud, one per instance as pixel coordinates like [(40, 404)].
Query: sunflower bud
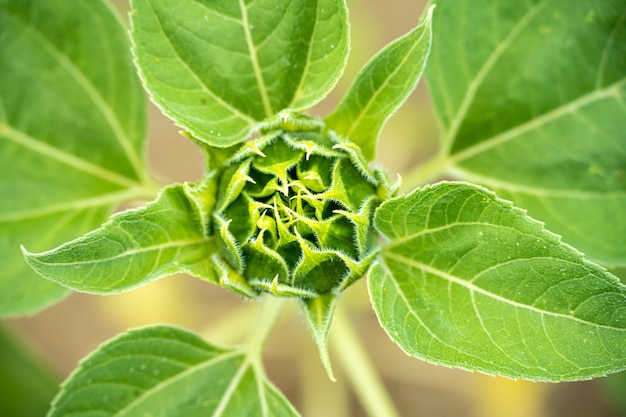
[(294, 215)]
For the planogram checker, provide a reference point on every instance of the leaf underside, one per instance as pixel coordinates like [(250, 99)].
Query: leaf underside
[(468, 280), (536, 110), (72, 128), (133, 248), (219, 68), (167, 371)]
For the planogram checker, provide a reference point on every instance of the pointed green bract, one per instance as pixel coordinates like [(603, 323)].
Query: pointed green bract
[(169, 372), (319, 313), (72, 128), (219, 68), (468, 280), (381, 87), (536, 110), (134, 248)]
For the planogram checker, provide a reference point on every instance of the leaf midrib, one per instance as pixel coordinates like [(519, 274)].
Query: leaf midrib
[(23, 139), (92, 92), (388, 79), (482, 74), (168, 245), (267, 106), (234, 110), (228, 393), (536, 190), (611, 91), (182, 375), (475, 289), (101, 200), (299, 91)]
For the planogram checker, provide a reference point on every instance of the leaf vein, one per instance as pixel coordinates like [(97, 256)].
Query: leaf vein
[(609, 92), (203, 86), (93, 93), (27, 141), (484, 71), (473, 288)]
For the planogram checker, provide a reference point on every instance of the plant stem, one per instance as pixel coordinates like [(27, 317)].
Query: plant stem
[(424, 173), (270, 310), (359, 369)]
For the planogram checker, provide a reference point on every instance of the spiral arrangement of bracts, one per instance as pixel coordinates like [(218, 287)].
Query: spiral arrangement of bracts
[(294, 215)]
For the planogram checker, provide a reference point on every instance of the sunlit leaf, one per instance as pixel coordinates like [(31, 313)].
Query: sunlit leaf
[(72, 126), (468, 280), (133, 248), (168, 372), (219, 68), (381, 87), (531, 97)]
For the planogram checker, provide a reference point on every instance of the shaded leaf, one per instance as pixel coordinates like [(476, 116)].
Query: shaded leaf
[(219, 68), (381, 87), (72, 127), (133, 248), (531, 100), (468, 280), (167, 371), (27, 384)]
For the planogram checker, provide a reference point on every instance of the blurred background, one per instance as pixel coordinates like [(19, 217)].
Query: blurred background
[(42, 350)]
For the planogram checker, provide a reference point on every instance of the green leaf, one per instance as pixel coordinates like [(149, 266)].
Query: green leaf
[(531, 100), (72, 128), (27, 385), (381, 87), (169, 372), (133, 248), (468, 280), (219, 68)]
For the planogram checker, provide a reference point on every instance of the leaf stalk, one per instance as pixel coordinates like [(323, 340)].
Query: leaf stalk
[(359, 369)]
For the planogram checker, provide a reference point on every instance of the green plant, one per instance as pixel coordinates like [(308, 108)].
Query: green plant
[(531, 100)]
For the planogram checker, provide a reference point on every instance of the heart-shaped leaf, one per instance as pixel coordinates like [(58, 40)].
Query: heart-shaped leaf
[(72, 127), (531, 100), (219, 68), (468, 280), (164, 371)]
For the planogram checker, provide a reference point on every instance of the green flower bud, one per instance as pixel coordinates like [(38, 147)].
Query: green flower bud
[(293, 215)]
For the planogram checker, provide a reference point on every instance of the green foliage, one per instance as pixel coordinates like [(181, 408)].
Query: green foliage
[(133, 248), (166, 371), (530, 96), (381, 87), (220, 68), (536, 110), (468, 280), (71, 133)]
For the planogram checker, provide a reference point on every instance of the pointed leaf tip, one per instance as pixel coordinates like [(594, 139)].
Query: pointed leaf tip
[(133, 248), (381, 87), (319, 312)]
